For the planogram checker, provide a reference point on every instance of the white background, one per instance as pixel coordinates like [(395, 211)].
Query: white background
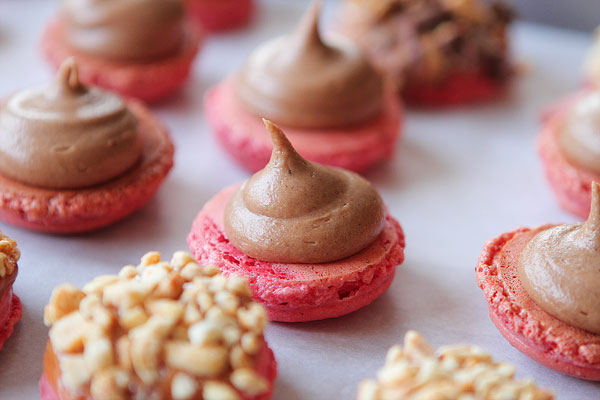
[(458, 178)]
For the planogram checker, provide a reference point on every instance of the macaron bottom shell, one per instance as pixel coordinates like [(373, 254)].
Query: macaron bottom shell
[(523, 323), (11, 311), (300, 292), (80, 210), (243, 136), (149, 81), (222, 15), (459, 88)]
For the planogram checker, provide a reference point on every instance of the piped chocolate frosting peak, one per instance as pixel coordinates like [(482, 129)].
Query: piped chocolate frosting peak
[(297, 211), (303, 81), (65, 135), (560, 270)]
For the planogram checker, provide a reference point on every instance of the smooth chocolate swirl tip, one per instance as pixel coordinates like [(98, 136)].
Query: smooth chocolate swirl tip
[(297, 211), (560, 269)]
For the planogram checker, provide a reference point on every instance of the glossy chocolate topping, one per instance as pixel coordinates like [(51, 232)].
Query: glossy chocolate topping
[(302, 81), (124, 29), (66, 136), (297, 211), (579, 138), (560, 270)]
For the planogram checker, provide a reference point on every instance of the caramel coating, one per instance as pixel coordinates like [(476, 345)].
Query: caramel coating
[(297, 211)]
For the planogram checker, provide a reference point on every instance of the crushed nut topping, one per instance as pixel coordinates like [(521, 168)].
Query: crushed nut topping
[(9, 255), (415, 372), (121, 334)]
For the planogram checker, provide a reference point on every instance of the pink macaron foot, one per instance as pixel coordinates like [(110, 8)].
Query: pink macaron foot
[(300, 292), (243, 136)]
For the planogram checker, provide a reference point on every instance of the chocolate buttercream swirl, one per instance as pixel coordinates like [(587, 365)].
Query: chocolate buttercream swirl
[(302, 81), (124, 29), (560, 270), (579, 137), (66, 136), (297, 211)]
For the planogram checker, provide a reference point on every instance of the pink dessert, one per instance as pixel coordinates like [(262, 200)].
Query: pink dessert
[(571, 183), (221, 15), (522, 322), (141, 49), (334, 106), (80, 210), (300, 292), (355, 148)]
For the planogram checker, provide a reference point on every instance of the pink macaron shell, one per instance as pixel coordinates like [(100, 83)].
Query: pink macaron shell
[(571, 184), (73, 211), (522, 322), (244, 137), (456, 90), (220, 15), (148, 81), (266, 366), (11, 311), (300, 292)]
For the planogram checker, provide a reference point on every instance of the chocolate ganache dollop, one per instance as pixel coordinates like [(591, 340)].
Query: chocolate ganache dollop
[(297, 211), (560, 269), (124, 29), (301, 81), (579, 137), (66, 136)]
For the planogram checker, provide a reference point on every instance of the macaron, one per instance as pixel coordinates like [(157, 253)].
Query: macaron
[(11, 309), (162, 329), (436, 53), (312, 261), (332, 104), (416, 371), (100, 159), (221, 15), (522, 274), (566, 149), (140, 49)]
